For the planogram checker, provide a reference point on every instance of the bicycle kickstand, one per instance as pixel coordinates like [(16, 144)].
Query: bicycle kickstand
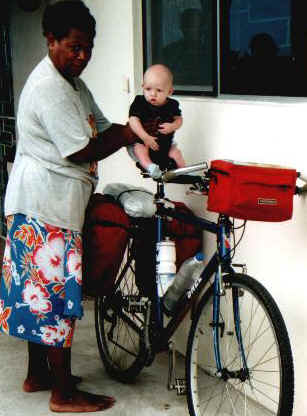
[(174, 383)]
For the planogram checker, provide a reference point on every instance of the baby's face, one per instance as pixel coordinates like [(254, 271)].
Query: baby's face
[(157, 88)]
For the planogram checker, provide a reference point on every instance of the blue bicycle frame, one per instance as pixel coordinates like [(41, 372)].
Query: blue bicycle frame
[(219, 263)]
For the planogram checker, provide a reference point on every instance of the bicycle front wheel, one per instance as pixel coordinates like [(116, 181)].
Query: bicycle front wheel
[(267, 387), (119, 325)]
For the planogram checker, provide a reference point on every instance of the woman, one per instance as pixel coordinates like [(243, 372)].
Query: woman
[(61, 135)]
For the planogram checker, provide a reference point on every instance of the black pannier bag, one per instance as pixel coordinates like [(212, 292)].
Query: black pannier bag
[(188, 241)]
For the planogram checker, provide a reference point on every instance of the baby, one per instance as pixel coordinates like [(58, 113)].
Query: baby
[(163, 114)]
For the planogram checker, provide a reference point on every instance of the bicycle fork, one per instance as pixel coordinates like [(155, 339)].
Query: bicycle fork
[(218, 328), (218, 325)]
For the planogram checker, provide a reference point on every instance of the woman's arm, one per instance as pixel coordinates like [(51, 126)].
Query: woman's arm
[(108, 142)]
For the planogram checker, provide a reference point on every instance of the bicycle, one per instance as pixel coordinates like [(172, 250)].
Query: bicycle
[(238, 359)]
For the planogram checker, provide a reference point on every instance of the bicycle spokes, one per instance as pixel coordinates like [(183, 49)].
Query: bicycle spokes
[(250, 381)]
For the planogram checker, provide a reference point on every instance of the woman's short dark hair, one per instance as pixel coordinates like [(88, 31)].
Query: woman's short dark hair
[(59, 18)]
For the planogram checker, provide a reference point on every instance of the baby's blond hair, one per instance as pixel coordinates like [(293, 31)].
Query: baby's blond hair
[(163, 70)]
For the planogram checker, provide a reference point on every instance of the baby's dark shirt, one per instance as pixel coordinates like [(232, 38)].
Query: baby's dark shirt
[(147, 112)]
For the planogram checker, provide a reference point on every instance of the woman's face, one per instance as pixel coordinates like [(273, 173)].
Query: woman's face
[(71, 54)]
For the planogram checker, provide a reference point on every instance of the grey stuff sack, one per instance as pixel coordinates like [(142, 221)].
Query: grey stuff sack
[(136, 201)]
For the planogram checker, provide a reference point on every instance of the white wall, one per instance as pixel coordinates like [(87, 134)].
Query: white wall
[(274, 132), (28, 45), (111, 73), (275, 253)]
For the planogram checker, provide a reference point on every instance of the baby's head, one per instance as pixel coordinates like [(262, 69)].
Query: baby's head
[(157, 84)]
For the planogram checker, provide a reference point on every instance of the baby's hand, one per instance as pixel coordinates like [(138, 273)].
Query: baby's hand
[(166, 128), (150, 141)]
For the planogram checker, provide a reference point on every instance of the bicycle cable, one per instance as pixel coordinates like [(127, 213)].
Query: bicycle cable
[(235, 244), (232, 251)]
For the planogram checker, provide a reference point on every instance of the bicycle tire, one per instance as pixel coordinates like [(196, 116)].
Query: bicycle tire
[(270, 390), (119, 331)]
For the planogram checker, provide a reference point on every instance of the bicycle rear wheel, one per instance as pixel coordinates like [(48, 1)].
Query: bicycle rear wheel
[(269, 386), (119, 325)]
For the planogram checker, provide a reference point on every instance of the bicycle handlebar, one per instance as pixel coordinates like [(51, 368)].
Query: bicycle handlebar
[(172, 174)]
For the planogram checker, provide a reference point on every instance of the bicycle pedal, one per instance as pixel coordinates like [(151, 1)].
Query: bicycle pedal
[(137, 304), (180, 386), (150, 359)]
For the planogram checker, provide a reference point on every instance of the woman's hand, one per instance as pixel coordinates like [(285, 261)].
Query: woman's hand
[(166, 128), (151, 142), (151, 127)]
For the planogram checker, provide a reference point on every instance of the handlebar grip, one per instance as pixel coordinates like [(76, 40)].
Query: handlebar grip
[(172, 174), (168, 176)]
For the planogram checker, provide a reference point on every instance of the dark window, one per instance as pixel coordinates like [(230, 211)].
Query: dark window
[(7, 121), (262, 45), (6, 84), (182, 34)]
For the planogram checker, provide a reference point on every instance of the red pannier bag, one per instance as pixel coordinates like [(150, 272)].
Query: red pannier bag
[(105, 237), (251, 191), (188, 237)]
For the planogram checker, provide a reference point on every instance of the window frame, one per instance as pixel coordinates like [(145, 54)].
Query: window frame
[(220, 87)]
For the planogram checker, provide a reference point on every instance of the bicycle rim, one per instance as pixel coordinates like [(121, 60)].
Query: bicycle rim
[(119, 330), (268, 390)]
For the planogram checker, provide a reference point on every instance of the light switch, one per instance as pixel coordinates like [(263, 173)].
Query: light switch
[(126, 84)]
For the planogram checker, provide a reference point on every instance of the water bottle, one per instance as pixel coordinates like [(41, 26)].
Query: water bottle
[(166, 265), (183, 280)]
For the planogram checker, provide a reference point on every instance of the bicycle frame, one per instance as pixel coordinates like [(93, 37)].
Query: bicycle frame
[(219, 263), (234, 319)]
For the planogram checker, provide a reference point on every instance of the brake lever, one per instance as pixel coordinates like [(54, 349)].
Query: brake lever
[(194, 192), (198, 188), (300, 190)]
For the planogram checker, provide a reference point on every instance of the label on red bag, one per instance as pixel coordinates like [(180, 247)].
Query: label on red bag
[(267, 201)]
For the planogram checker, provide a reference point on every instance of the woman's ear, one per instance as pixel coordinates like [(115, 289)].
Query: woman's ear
[(50, 39)]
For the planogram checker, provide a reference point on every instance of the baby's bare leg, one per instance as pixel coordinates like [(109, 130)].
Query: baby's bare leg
[(176, 154), (142, 153)]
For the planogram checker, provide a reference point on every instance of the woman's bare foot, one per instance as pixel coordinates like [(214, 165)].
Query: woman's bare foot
[(33, 384), (79, 401)]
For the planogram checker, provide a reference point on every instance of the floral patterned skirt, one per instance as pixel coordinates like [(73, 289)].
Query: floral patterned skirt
[(40, 286)]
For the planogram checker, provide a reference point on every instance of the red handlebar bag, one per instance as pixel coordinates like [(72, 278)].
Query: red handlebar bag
[(251, 191)]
